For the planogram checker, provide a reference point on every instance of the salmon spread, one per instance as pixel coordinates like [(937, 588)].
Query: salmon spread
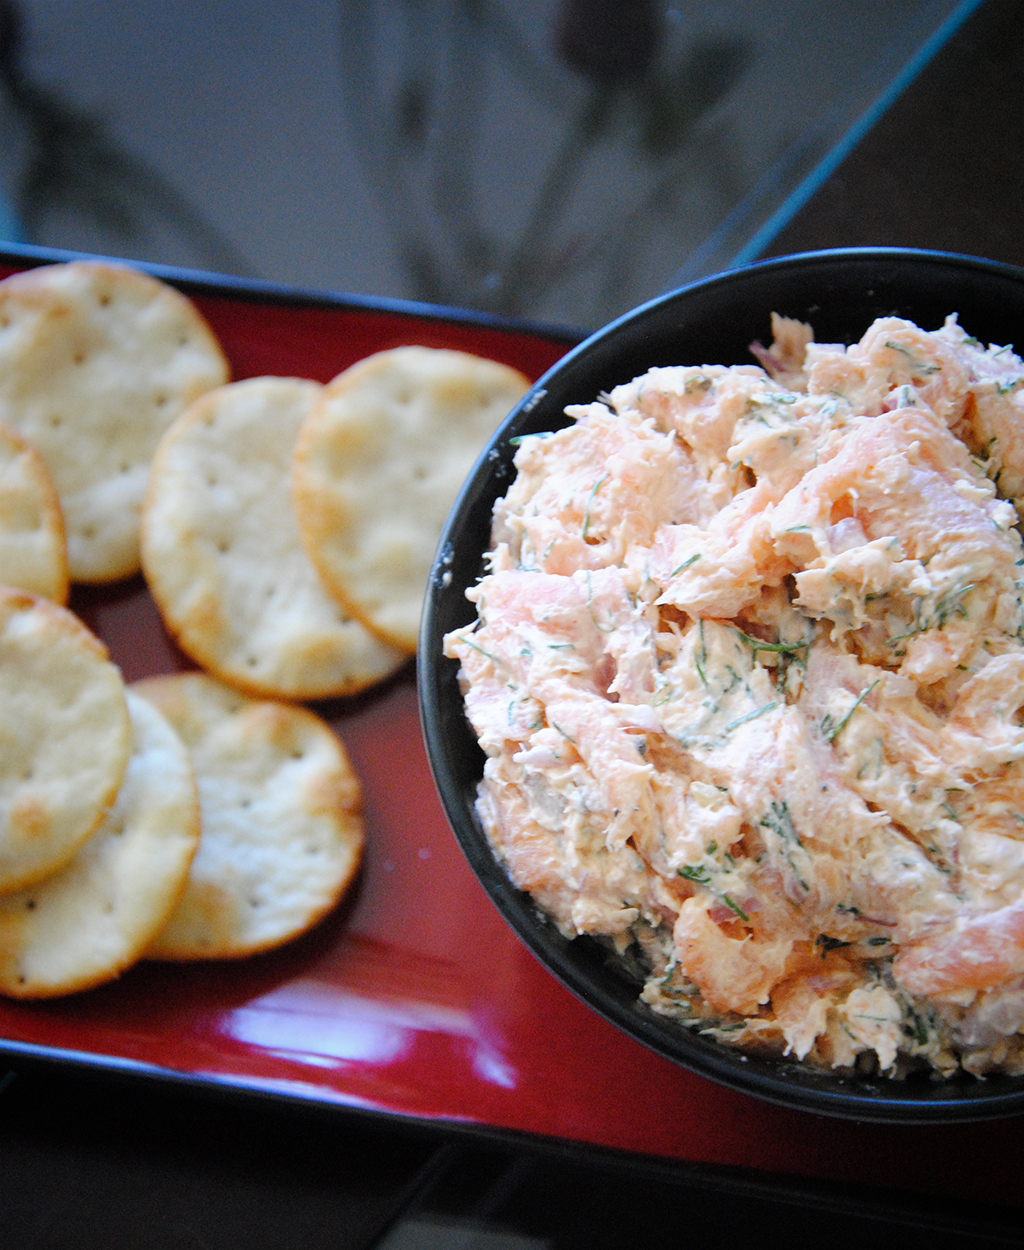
[(748, 670)]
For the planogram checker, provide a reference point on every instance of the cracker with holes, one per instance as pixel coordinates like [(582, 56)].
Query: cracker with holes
[(93, 918), (33, 555), (222, 556), (377, 466), (282, 833), (96, 360), (64, 736)]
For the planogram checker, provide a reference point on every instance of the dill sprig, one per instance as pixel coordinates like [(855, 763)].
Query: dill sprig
[(948, 605), (493, 658), (831, 731), (749, 716), (685, 564), (758, 644), (586, 516)]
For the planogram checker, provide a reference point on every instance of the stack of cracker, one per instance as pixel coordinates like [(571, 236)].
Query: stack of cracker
[(222, 556), (289, 528), (176, 819), (286, 531)]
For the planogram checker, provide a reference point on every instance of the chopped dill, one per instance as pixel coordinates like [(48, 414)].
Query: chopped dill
[(916, 1026), (779, 821), (948, 605), (702, 658), (685, 564), (920, 368), (493, 658), (758, 644), (736, 908), (950, 811), (586, 516), (695, 872), (830, 730), (605, 629), (749, 716)]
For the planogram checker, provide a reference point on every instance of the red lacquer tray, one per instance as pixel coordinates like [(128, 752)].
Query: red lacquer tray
[(415, 1000)]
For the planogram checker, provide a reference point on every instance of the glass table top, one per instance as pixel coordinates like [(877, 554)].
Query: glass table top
[(560, 160)]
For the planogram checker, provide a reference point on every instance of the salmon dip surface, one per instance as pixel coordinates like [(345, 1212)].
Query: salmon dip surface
[(748, 671)]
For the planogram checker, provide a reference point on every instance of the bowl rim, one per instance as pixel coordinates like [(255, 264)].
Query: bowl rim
[(581, 964)]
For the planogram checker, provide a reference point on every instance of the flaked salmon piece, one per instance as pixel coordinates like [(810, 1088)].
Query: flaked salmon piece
[(700, 405), (585, 494), (557, 647), (801, 1010), (992, 422), (874, 1020), (947, 563), (784, 360), (901, 457), (892, 355), (975, 952), (983, 732), (991, 841), (992, 427), (851, 870), (711, 688), (785, 434), (720, 569), (887, 747), (734, 973), (567, 869), (554, 623), (692, 815)]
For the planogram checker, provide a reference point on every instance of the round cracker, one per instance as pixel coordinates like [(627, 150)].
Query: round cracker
[(33, 555), (377, 467), (93, 918), (222, 556), (65, 736), (282, 834), (96, 360)]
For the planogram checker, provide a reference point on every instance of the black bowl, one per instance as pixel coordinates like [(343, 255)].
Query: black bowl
[(710, 322)]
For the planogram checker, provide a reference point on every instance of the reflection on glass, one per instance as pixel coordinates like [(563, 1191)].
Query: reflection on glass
[(539, 149), (71, 165), (559, 159), (570, 158)]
